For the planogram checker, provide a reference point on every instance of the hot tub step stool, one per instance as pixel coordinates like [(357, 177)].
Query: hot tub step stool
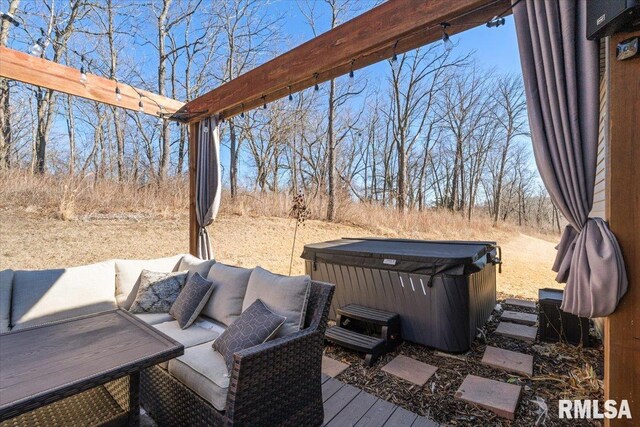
[(374, 347), (388, 322), (353, 319)]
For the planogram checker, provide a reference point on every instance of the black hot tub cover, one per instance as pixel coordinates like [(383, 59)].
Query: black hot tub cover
[(411, 256)]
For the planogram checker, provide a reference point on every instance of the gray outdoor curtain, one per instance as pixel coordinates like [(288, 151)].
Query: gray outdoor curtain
[(560, 70), (208, 185)]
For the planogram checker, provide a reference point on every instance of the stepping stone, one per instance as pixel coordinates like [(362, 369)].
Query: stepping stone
[(519, 317), (508, 360), (332, 367), (497, 396), (520, 332), (410, 370), (520, 303)]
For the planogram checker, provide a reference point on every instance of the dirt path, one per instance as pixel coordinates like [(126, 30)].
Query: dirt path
[(28, 240), (527, 267)]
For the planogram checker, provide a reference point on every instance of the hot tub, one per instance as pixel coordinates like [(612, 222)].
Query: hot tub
[(444, 291)]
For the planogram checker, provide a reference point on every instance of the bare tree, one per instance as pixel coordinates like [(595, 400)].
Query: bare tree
[(5, 121), (511, 115)]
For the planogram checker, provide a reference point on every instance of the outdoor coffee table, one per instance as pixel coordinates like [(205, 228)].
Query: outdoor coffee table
[(81, 371)]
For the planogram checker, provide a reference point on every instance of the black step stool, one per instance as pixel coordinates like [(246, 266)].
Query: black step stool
[(352, 323)]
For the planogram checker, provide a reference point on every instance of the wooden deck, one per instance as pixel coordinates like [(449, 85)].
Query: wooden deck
[(345, 405)]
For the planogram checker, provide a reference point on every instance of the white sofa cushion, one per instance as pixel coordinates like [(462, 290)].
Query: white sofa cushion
[(128, 275), (230, 286), (284, 295), (203, 370), (6, 283), (42, 296), (154, 318), (188, 337), (194, 265)]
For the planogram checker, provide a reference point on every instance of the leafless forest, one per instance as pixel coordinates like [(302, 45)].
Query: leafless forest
[(434, 131)]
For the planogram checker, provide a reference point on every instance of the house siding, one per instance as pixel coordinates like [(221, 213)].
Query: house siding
[(602, 162)]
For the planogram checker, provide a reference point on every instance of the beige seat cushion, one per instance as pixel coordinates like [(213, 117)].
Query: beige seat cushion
[(128, 275), (230, 286), (43, 296), (189, 337), (6, 283), (203, 370), (194, 265), (154, 318), (284, 295)]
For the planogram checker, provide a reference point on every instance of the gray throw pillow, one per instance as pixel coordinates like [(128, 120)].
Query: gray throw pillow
[(157, 291), (194, 296), (285, 295), (254, 326), (231, 284)]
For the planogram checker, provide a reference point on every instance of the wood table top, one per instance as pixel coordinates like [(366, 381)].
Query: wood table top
[(59, 359)]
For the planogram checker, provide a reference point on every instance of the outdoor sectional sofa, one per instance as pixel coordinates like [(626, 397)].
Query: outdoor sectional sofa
[(274, 383)]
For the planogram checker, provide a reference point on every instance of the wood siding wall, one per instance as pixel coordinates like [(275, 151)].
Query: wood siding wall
[(600, 189)]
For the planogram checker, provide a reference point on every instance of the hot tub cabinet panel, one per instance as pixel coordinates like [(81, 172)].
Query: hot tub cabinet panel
[(442, 302)]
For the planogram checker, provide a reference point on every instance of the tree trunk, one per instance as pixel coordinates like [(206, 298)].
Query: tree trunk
[(5, 104), (165, 137), (331, 153), (233, 159)]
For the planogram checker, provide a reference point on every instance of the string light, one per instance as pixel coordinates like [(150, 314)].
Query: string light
[(394, 59), (242, 110), (141, 106), (290, 96), (264, 102), (496, 21), (351, 71), (316, 88), (448, 44), (118, 94), (38, 47), (83, 75)]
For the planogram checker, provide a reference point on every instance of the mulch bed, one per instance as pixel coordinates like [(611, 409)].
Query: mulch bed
[(560, 372)]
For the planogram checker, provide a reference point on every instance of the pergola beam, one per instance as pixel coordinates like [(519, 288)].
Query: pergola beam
[(20, 66), (397, 25)]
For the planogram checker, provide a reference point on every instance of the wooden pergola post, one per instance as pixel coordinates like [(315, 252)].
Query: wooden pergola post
[(622, 328)]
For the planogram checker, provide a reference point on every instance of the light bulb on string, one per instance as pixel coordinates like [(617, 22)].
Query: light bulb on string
[(395, 64), (290, 96), (38, 47), (83, 75), (118, 94), (141, 106), (242, 111), (264, 102), (446, 40)]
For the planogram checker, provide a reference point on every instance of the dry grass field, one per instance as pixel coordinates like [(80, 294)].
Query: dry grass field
[(27, 240), (46, 223)]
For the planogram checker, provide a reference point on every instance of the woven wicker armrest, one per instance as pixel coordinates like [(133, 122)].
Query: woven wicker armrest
[(279, 382)]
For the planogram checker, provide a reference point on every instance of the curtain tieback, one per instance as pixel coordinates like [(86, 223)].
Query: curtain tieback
[(588, 261)]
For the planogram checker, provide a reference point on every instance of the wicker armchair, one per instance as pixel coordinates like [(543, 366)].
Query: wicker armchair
[(277, 383)]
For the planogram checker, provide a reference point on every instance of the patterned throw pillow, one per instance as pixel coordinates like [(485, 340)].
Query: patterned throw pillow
[(157, 291), (254, 326), (189, 304)]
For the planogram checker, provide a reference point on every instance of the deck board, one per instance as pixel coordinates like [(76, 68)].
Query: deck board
[(345, 405)]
